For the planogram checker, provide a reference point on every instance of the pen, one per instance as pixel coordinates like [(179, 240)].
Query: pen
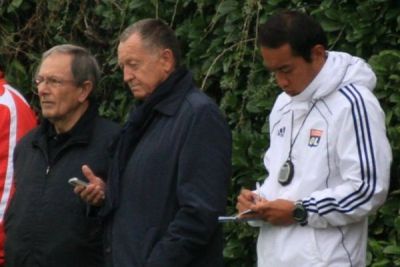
[(243, 213)]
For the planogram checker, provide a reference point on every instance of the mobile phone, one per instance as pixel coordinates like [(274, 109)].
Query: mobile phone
[(75, 181)]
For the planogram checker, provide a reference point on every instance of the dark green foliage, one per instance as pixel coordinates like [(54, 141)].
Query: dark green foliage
[(218, 38)]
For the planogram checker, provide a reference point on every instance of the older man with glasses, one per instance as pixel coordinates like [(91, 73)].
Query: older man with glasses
[(46, 224)]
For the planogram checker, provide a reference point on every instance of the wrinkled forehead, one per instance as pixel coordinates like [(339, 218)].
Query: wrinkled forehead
[(135, 48), (56, 63)]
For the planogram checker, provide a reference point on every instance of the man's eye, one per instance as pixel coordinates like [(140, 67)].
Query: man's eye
[(286, 70), (53, 81), (132, 65)]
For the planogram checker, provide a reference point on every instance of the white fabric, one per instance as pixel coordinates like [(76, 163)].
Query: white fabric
[(341, 167)]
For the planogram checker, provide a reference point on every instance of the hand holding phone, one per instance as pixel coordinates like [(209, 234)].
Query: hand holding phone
[(75, 181)]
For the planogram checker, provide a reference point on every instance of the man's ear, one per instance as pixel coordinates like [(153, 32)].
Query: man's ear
[(167, 60), (86, 87), (318, 53), (318, 56)]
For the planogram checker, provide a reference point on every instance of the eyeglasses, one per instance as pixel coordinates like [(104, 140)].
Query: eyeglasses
[(52, 82)]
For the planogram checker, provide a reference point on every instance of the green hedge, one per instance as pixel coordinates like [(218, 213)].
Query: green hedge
[(218, 38)]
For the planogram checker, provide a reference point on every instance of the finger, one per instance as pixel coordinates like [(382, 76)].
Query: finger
[(96, 199), (240, 207), (89, 174), (244, 200), (245, 193), (78, 189), (90, 190)]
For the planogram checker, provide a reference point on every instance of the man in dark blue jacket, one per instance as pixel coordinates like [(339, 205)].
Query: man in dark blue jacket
[(47, 224), (172, 162)]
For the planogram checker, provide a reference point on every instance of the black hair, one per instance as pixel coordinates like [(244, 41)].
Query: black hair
[(155, 33), (295, 28)]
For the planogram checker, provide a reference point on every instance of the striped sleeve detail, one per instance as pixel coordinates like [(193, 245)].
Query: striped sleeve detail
[(366, 157), (17, 119), (8, 143)]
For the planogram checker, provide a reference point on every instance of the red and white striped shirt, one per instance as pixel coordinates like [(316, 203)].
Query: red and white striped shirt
[(16, 119)]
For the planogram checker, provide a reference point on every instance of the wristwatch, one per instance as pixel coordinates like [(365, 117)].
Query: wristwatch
[(300, 213)]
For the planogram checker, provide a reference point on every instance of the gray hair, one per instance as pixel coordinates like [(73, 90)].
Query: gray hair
[(84, 66), (155, 33)]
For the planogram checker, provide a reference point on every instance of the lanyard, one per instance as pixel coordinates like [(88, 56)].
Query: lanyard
[(298, 132), (286, 172)]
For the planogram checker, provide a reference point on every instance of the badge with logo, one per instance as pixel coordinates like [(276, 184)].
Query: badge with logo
[(281, 131), (315, 137)]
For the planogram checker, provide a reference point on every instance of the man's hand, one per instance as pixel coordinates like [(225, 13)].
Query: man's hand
[(94, 192), (244, 202), (277, 212)]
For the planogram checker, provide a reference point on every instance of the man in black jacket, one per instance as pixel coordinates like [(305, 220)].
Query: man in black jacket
[(172, 162), (46, 224)]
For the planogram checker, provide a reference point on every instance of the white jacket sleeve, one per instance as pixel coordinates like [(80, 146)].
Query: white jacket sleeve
[(362, 158)]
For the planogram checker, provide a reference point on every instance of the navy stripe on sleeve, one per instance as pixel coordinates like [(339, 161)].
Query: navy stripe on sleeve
[(366, 160)]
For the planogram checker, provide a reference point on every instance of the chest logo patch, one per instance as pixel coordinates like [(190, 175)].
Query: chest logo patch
[(281, 131), (315, 137)]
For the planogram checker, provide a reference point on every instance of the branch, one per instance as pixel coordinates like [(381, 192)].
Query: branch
[(219, 56)]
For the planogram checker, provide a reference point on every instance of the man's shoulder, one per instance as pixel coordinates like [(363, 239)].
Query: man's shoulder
[(196, 100), (29, 137), (350, 95)]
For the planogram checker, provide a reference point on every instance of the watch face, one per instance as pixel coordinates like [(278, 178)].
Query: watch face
[(299, 213)]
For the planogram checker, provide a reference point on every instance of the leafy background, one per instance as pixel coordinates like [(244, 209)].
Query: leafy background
[(218, 39)]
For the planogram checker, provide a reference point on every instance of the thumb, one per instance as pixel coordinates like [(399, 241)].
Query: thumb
[(89, 174)]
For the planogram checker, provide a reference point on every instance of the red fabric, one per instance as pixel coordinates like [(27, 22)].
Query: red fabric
[(16, 119)]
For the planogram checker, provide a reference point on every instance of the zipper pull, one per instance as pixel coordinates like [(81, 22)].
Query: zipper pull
[(47, 170)]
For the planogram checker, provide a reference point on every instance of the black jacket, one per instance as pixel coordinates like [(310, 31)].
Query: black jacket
[(46, 224), (174, 187)]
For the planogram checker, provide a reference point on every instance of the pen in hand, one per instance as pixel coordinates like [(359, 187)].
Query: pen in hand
[(238, 217), (256, 199)]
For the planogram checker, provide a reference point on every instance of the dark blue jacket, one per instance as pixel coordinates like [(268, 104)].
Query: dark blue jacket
[(46, 224), (174, 187)]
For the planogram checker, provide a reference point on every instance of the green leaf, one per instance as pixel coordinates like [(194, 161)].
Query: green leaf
[(392, 250)]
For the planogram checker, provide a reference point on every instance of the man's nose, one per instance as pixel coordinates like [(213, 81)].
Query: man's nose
[(281, 80), (42, 88), (129, 75)]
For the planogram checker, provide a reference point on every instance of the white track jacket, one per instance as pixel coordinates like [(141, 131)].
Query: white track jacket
[(341, 163)]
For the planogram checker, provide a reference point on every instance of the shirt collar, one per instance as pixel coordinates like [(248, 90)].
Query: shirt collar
[(80, 131)]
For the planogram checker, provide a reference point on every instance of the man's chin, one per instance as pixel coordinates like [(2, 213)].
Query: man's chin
[(138, 95), (48, 115)]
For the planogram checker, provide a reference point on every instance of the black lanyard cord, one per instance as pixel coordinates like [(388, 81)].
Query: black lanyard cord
[(298, 132)]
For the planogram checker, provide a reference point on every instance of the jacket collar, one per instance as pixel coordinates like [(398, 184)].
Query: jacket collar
[(171, 103), (81, 132)]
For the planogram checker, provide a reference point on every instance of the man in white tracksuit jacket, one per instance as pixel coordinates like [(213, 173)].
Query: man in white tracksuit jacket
[(329, 157)]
